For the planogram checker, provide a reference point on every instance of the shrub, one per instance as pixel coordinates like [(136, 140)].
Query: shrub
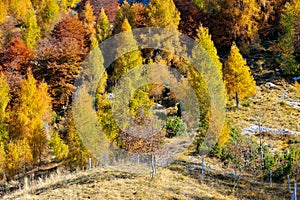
[(176, 127)]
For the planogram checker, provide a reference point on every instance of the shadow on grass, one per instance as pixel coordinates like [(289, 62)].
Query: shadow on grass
[(247, 187)]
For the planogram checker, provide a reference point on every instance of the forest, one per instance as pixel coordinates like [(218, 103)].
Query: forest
[(45, 46)]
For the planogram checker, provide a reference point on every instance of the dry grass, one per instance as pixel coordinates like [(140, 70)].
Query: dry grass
[(270, 105), (181, 180)]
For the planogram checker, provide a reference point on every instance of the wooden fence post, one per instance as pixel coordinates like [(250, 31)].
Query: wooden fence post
[(271, 178), (104, 160), (295, 190), (203, 165), (235, 172), (89, 164), (289, 183)]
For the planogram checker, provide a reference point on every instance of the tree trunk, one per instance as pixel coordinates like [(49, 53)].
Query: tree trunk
[(153, 165), (237, 100)]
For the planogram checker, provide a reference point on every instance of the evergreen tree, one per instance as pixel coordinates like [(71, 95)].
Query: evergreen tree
[(103, 30), (237, 76)]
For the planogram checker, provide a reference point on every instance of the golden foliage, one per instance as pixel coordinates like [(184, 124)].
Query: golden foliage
[(205, 41), (163, 14), (18, 157), (237, 75), (4, 96), (30, 115)]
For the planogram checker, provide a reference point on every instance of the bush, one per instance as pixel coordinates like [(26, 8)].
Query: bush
[(176, 127), (217, 151)]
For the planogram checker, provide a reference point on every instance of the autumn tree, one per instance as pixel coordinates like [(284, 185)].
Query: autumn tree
[(78, 155), (104, 111), (232, 21), (163, 14), (135, 14), (285, 46), (32, 30), (30, 115), (18, 157), (18, 9), (2, 161), (3, 12), (4, 97), (59, 148), (4, 100), (205, 41), (103, 29), (65, 5), (60, 57), (88, 19), (238, 79), (15, 60), (129, 60), (47, 14)]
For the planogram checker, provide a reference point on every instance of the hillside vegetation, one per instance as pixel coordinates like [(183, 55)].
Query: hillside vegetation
[(77, 91)]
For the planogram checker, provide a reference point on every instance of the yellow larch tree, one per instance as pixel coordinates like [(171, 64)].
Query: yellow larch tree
[(238, 79), (30, 115), (205, 41), (103, 29)]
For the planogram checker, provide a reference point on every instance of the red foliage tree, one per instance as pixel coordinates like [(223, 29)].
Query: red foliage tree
[(60, 57), (110, 7), (15, 59)]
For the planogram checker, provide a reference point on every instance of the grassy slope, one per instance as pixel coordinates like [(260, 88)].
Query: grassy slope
[(270, 104), (182, 179)]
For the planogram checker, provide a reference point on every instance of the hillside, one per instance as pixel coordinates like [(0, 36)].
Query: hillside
[(97, 96), (180, 180)]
